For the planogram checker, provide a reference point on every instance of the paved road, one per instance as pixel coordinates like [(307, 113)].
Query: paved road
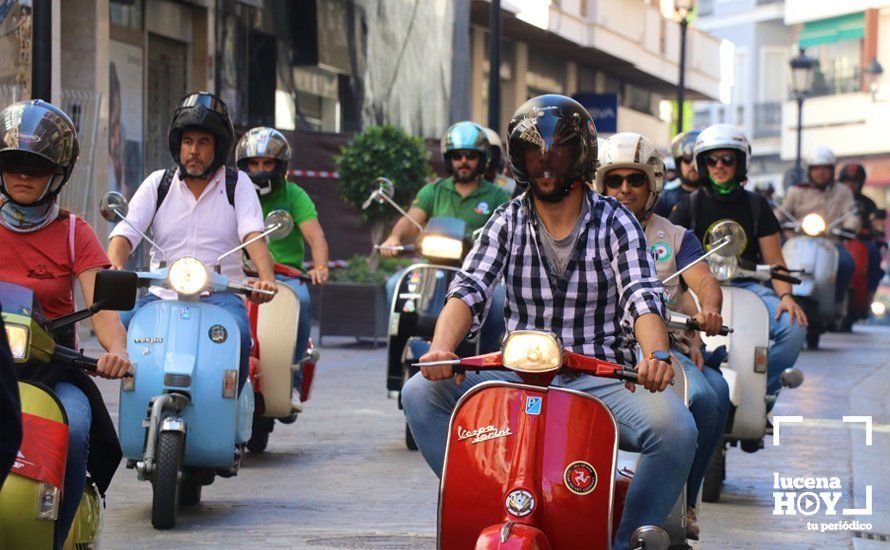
[(340, 477)]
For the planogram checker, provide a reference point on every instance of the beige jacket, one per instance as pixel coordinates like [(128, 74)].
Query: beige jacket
[(831, 203)]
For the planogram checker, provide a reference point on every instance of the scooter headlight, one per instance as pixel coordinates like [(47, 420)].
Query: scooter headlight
[(18, 341), (723, 268), (48, 501), (187, 276), (437, 246), (813, 225), (532, 351), (878, 309)]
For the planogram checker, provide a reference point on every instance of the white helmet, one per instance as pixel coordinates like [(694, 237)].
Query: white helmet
[(630, 150), (600, 149), (722, 136), (669, 164), (821, 156)]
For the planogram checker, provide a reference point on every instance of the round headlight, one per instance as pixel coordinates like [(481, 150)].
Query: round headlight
[(723, 268), (532, 351), (187, 276), (813, 225), (878, 309), (437, 246)]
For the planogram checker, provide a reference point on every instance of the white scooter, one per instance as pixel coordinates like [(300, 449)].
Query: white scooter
[(747, 350), (815, 256)]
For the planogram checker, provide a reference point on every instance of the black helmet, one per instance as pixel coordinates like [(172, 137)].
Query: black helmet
[(853, 172), (546, 121), (36, 132), (682, 147), (264, 142), (203, 112), (496, 154)]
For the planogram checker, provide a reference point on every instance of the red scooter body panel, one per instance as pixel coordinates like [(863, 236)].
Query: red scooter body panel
[(558, 445), (859, 301), (522, 537)]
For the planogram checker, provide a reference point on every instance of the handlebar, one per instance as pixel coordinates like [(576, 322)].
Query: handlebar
[(247, 289), (397, 248), (78, 360), (787, 278), (683, 322)]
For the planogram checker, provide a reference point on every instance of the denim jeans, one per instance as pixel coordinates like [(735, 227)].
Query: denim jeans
[(846, 267), (786, 338), (230, 302), (709, 404), (304, 323), (492, 327), (658, 425), (80, 418), (875, 273)]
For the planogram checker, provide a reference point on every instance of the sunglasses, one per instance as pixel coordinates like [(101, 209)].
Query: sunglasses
[(469, 155), (687, 159), (636, 180), (27, 165), (728, 159)]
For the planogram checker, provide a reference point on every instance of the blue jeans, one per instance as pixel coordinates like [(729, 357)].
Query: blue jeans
[(229, 302), (80, 418), (709, 404), (846, 267), (875, 273), (656, 424), (786, 338), (304, 323), (493, 326)]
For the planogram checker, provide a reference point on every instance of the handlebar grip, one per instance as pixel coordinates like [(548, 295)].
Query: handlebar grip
[(787, 278), (692, 324)]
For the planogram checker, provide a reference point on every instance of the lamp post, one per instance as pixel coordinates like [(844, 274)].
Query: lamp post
[(873, 75), (801, 81), (683, 8)]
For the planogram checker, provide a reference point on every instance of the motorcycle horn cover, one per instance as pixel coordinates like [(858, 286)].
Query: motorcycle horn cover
[(465, 136), (267, 143), (202, 112), (556, 128), (630, 150)]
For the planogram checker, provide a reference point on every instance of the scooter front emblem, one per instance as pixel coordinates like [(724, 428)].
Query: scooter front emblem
[(520, 503), (580, 477), (218, 334)]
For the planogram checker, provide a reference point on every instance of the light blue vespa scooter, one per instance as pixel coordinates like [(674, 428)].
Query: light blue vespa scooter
[(181, 417)]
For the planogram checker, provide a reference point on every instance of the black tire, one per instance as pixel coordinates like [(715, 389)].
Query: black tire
[(259, 437), (165, 485), (813, 338), (714, 475), (190, 493), (409, 438)]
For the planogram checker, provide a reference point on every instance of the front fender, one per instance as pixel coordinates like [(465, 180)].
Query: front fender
[(512, 536)]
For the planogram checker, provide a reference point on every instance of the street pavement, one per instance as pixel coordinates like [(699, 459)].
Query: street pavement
[(341, 477)]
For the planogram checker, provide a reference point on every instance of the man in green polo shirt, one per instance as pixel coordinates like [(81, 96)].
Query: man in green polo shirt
[(463, 195)]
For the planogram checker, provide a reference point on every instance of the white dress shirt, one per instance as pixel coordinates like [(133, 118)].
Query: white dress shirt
[(205, 228)]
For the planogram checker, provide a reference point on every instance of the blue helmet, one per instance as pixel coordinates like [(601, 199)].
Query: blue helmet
[(465, 136)]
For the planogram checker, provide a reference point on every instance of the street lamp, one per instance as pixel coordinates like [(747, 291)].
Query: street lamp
[(683, 8), (802, 68), (873, 72)]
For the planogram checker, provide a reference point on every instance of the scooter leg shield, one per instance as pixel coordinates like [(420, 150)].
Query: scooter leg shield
[(277, 337)]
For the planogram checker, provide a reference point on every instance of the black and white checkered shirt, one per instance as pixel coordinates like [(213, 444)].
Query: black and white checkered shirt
[(610, 279)]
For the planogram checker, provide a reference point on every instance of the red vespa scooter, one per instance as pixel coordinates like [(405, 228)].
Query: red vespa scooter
[(528, 465)]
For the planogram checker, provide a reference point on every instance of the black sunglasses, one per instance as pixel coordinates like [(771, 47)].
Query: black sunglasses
[(728, 159), (470, 155), (636, 180)]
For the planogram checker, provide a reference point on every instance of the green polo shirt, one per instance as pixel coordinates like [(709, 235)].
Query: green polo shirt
[(291, 198), (442, 199)]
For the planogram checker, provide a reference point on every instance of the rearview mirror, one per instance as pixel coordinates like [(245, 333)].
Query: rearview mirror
[(113, 207), (727, 228), (115, 290), (282, 221)]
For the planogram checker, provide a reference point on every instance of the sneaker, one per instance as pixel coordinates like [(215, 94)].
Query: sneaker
[(692, 529)]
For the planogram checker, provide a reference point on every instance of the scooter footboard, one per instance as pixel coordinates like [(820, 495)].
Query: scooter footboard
[(544, 457)]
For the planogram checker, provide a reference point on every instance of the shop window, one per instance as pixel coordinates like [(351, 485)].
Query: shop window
[(126, 13)]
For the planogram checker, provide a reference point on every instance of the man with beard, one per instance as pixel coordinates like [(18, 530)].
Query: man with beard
[(681, 151), (574, 263), (465, 194)]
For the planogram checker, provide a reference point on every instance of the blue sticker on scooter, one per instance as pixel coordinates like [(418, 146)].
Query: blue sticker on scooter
[(185, 313), (533, 405), (218, 334)]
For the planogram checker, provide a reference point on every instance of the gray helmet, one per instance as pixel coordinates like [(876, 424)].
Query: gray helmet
[(264, 142), (34, 133), (465, 135)]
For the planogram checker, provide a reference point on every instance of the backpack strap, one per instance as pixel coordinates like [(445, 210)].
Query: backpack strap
[(163, 189), (754, 201), (694, 205), (231, 184), (72, 221)]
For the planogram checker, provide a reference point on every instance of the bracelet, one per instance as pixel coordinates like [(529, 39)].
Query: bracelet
[(786, 294), (320, 266)]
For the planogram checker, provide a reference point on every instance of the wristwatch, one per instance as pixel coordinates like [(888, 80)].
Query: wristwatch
[(661, 355)]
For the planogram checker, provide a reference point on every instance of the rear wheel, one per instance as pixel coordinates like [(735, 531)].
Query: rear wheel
[(190, 493), (813, 338), (259, 436), (166, 482), (409, 438), (714, 475)]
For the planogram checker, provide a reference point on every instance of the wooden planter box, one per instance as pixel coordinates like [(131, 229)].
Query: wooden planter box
[(352, 309)]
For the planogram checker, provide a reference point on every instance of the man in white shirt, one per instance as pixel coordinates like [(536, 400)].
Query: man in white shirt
[(202, 209)]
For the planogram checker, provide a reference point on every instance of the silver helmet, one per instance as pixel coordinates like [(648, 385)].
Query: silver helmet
[(268, 143), (630, 150)]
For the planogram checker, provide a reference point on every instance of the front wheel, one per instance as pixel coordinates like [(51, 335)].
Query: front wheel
[(714, 475), (166, 482), (813, 338)]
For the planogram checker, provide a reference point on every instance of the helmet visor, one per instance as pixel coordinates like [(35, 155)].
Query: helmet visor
[(208, 101), (28, 164)]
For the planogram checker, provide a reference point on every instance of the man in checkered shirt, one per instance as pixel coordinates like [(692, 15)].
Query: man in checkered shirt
[(576, 264)]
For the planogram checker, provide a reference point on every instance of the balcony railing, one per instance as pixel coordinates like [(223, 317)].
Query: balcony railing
[(830, 82)]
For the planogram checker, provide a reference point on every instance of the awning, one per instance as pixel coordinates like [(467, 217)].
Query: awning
[(834, 29)]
